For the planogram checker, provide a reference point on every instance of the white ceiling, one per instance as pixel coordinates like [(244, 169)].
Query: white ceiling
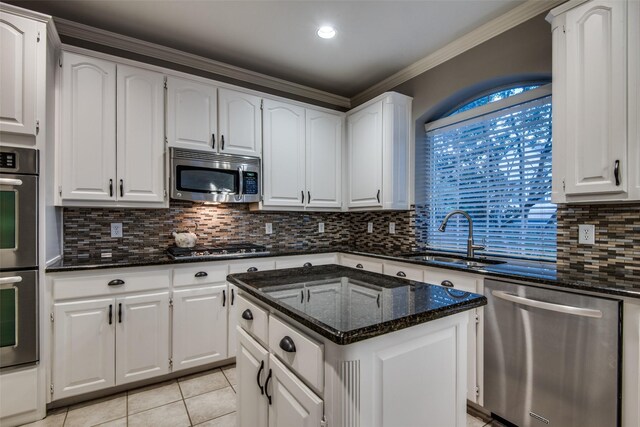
[(374, 38)]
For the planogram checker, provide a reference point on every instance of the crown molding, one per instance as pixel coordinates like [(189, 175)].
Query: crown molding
[(141, 47), (563, 8), (496, 26)]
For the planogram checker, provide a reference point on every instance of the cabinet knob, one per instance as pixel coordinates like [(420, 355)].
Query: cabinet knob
[(247, 315), (287, 345), (401, 274), (447, 283), (201, 274), (116, 282)]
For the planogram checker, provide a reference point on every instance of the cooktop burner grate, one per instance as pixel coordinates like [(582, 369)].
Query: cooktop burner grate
[(239, 250)]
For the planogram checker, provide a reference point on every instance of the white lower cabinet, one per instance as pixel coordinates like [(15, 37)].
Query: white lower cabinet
[(252, 367), (199, 326), (232, 321)]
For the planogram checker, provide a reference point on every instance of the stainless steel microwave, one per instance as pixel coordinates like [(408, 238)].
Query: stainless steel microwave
[(200, 176)]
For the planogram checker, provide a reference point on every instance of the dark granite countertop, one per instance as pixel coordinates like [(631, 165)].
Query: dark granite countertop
[(617, 282), (346, 305)]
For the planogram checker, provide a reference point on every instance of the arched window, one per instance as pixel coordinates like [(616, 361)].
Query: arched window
[(492, 158)]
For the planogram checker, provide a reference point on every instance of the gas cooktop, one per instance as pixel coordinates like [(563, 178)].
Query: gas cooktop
[(204, 252)]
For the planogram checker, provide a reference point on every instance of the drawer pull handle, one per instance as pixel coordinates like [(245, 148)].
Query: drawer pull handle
[(359, 266), (401, 274), (247, 314), (307, 264), (258, 377), (447, 283), (266, 384), (287, 345), (251, 269), (201, 274), (116, 282)]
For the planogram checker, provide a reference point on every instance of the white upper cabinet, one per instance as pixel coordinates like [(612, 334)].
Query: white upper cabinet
[(192, 114), (18, 74), (323, 159), (140, 146), (240, 123), (379, 142), (594, 45), (87, 159), (283, 154)]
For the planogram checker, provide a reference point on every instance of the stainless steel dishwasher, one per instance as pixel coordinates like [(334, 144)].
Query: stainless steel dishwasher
[(551, 357)]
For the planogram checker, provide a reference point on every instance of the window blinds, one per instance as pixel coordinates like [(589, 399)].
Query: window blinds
[(497, 167)]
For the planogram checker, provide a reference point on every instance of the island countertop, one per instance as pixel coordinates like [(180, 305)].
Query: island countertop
[(355, 305)]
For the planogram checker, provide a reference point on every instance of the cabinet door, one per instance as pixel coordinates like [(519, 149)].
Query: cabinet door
[(324, 302), (18, 74), (364, 141), (191, 114), (142, 338), (199, 326), (323, 155), (293, 403), (83, 347), (232, 320), (364, 306), (283, 155), (252, 366), (240, 123), (596, 98), (140, 146), (88, 134)]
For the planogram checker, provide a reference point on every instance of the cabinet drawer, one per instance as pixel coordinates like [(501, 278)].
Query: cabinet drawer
[(300, 261), (459, 281), (403, 271), (259, 326), (361, 263), (244, 266), (200, 274), (307, 357), (109, 283)]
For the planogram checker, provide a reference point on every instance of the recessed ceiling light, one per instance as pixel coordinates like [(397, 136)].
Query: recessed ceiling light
[(326, 32)]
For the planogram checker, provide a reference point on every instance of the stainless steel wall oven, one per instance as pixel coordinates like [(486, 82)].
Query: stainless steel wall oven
[(18, 256)]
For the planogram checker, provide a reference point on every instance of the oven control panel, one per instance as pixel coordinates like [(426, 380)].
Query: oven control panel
[(250, 182)]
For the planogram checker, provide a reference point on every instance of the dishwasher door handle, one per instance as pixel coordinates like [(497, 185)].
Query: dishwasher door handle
[(560, 308)]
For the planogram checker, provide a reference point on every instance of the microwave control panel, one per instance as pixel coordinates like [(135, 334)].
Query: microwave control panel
[(250, 182)]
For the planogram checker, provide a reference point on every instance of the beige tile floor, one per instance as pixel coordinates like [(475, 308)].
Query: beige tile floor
[(206, 399)]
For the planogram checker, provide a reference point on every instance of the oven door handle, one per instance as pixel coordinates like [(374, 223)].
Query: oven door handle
[(10, 181), (240, 189), (560, 308), (9, 280)]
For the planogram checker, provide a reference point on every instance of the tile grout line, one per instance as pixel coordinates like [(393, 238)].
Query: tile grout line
[(184, 402)]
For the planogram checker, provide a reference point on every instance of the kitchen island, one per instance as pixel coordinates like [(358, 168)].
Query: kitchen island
[(345, 347)]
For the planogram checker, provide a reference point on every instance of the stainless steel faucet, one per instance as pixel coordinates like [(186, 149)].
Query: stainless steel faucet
[(471, 247)]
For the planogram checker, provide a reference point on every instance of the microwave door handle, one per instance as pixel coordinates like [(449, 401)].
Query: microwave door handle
[(10, 181), (240, 185)]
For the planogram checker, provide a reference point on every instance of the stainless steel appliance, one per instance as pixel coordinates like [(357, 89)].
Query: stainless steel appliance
[(551, 357), (18, 256), (205, 252), (217, 178)]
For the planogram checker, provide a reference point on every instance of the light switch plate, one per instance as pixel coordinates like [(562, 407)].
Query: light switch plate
[(116, 229), (587, 234), (369, 227), (321, 227), (392, 228), (268, 228)]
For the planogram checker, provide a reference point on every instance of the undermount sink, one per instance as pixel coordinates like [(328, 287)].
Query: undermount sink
[(456, 260)]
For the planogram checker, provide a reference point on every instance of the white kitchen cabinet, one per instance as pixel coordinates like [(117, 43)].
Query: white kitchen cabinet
[(283, 154), (252, 367), (378, 141), (87, 159), (404, 271), (232, 320), (192, 114), (634, 100), (323, 152), (595, 93), (240, 123), (111, 141), (18, 83), (199, 325), (296, 261), (292, 402), (140, 134), (362, 263), (83, 346), (142, 337)]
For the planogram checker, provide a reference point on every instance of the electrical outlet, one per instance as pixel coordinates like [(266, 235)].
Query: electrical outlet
[(369, 227), (268, 228), (321, 227), (116, 229), (587, 234), (392, 228)]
